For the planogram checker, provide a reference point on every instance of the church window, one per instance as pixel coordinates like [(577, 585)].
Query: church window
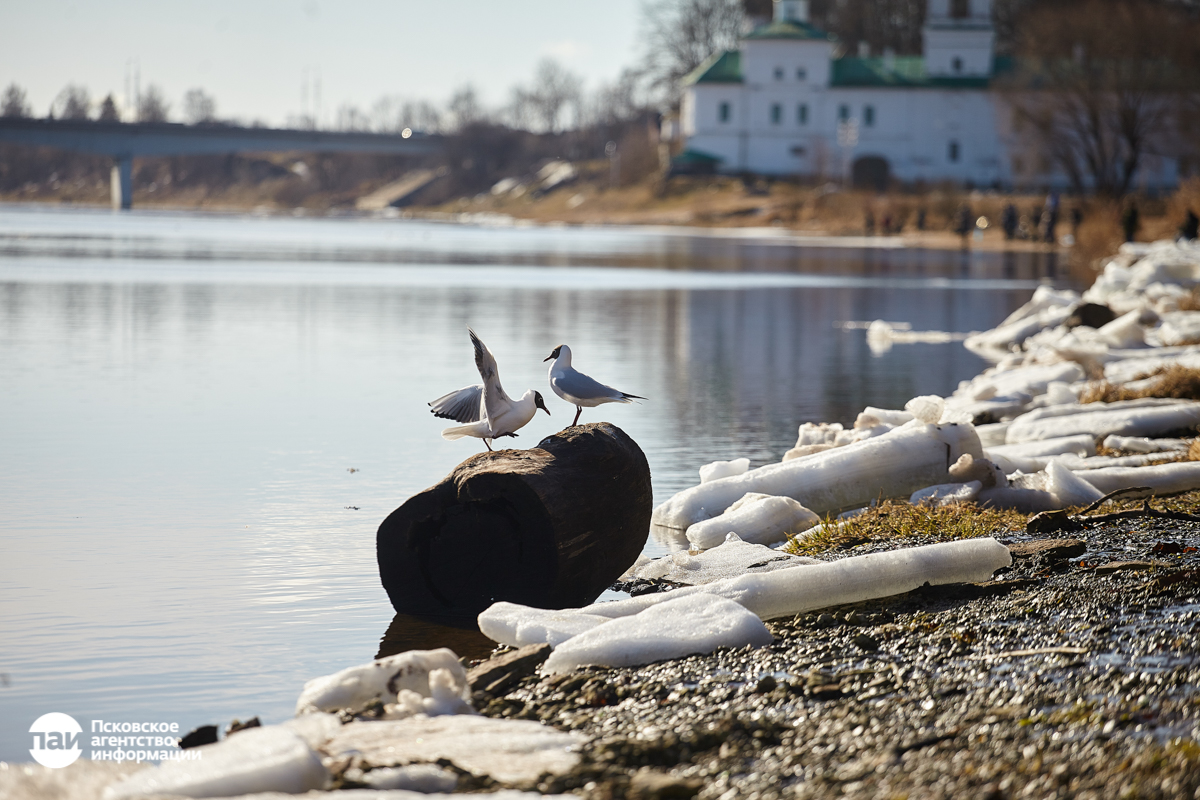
[(802, 114), (779, 73), (843, 112), (956, 64), (960, 9), (952, 152), (723, 112), (776, 113), (868, 115), (801, 74)]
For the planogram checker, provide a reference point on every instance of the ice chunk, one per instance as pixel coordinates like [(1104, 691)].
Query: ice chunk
[(850, 580), (267, 759), (424, 778), (507, 750), (1054, 488), (1082, 445), (893, 465), (1128, 418), (732, 558), (699, 623), (355, 687), (1060, 392), (723, 469), (315, 728), (871, 417), (516, 625), (927, 408), (947, 494), (445, 697), (1140, 444), (969, 469), (1181, 476), (1125, 331), (757, 518)]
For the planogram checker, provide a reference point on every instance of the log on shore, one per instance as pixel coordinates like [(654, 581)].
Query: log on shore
[(550, 527)]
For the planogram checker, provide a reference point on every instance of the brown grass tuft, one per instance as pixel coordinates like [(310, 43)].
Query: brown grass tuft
[(1177, 382), (898, 519)]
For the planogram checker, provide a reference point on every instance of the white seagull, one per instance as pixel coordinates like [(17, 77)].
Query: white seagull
[(487, 410), (573, 386)]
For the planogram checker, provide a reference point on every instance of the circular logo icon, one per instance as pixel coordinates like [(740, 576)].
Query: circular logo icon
[(55, 740)]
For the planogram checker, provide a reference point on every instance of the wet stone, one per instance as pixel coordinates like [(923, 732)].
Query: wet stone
[(1050, 549), (499, 674)]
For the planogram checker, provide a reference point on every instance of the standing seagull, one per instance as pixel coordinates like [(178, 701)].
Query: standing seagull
[(489, 412), (573, 386)]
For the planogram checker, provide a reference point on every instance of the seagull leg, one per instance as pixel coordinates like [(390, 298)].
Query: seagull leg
[(578, 411), (488, 446)]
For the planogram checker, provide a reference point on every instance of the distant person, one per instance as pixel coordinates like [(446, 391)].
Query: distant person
[(920, 219), (1130, 221), (1008, 221), (1076, 221), (887, 224), (869, 223), (1190, 229), (963, 223), (1049, 221)]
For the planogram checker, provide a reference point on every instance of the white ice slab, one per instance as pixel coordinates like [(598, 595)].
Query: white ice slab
[(355, 687), (1052, 489), (267, 759), (423, 778), (730, 559), (508, 750), (896, 464), (1140, 444), (1082, 445), (1125, 418), (517, 625), (849, 580), (757, 518), (1181, 476), (699, 623), (723, 469)]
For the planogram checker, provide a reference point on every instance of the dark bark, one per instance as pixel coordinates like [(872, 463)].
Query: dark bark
[(550, 527)]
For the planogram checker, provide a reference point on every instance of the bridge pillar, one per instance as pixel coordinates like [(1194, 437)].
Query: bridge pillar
[(122, 183)]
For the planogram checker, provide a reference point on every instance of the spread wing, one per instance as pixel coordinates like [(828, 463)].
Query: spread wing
[(461, 406), (495, 401)]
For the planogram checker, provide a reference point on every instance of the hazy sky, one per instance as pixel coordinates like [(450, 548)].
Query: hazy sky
[(252, 55)]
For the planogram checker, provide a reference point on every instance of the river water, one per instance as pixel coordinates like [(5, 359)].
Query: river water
[(204, 418)]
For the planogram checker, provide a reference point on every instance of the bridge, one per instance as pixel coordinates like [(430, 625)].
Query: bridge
[(125, 141)]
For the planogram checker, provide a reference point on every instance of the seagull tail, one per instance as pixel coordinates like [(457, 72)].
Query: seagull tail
[(626, 397), (457, 432)]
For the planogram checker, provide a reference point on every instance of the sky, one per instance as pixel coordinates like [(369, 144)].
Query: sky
[(254, 56)]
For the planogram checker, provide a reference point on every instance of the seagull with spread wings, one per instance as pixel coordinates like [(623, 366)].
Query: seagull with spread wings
[(487, 411)]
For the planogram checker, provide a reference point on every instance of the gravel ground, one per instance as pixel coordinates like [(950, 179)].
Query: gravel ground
[(1068, 676)]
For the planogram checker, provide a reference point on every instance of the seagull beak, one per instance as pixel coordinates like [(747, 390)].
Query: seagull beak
[(548, 358)]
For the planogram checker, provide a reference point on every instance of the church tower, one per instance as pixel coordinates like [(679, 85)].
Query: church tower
[(959, 39)]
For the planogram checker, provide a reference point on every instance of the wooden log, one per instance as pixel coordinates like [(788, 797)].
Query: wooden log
[(550, 527)]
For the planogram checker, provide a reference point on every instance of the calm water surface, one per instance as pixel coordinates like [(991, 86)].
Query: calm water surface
[(203, 419)]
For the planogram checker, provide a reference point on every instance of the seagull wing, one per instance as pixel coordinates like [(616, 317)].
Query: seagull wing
[(495, 401), (461, 406), (584, 387)]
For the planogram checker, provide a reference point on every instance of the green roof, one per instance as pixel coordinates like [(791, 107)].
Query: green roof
[(695, 158), (723, 67), (905, 71), (788, 29)]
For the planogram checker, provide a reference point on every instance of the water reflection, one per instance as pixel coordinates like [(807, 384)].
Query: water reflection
[(461, 635)]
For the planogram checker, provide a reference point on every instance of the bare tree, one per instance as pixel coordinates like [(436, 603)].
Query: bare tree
[(678, 35), (152, 106), (521, 109), (14, 103), (351, 118), (73, 102), (554, 90), (1103, 83), (464, 107), (199, 107), (108, 109)]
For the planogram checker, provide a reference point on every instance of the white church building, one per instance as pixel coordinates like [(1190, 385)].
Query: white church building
[(785, 103)]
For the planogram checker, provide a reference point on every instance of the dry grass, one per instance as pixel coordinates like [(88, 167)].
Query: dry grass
[(1181, 383), (899, 520)]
